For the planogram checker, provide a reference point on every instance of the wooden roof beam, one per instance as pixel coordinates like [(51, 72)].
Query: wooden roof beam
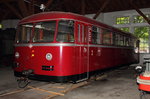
[(4, 16), (48, 3), (57, 4), (83, 7), (7, 1), (101, 9), (23, 8), (120, 4), (140, 12), (14, 10), (31, 7)]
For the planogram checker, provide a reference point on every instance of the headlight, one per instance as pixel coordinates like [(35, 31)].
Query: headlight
[(49, 56), (17, 55)]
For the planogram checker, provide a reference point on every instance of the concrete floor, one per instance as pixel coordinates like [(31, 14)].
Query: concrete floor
[(120, 84)]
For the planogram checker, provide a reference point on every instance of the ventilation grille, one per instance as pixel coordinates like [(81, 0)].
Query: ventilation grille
[(48, 68)]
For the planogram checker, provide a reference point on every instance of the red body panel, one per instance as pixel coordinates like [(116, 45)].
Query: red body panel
[(68, 61)]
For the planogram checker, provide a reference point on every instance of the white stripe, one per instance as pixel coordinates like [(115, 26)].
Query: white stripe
[(68, 44)]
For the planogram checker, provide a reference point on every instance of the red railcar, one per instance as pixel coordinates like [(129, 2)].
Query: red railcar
[(61, 47)]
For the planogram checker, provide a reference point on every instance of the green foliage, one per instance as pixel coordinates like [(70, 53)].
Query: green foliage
[(0, 26), (126, 29), (142, 32), (122, 20), (140, 19)]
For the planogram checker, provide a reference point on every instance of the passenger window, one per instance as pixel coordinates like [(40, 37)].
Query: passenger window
[(116, 39), (126, 41), (95, 35), (65, 31), (83, 36), (79, 32), (107, 38), (121, 40), (131, 42)]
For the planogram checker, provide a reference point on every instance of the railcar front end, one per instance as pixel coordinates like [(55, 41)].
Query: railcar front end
[(46, 51)]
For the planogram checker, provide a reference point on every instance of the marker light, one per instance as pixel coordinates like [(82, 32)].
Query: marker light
[(49, 56), (32, 55)]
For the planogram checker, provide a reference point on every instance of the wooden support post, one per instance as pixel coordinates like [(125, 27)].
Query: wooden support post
[(140, 12), (101, 9), (23, 8), (83, 7), (14, 10)]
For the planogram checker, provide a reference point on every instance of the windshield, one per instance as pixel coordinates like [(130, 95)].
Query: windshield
[(44, 31), (24, 33), (65, 31)]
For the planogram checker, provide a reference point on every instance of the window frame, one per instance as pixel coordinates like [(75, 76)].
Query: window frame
[(74, 28), (98, 34), (33, 34), (19, 29), (110, 37)]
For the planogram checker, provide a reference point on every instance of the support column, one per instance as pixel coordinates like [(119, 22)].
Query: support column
[(149, 40)]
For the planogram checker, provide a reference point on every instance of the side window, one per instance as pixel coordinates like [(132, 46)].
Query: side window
[(121, 40), (83, 35), (79, 32), (131, 42), (95, 35), (126, 41), (107, 38), (65, 31), (114, 38), (118, 39)]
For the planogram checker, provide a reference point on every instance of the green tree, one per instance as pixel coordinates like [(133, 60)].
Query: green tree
[(142, 32)]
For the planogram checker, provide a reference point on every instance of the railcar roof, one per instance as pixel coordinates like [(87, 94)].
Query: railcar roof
[(44, 16)]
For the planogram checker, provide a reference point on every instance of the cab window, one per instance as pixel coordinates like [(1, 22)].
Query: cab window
[(44, 31)]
